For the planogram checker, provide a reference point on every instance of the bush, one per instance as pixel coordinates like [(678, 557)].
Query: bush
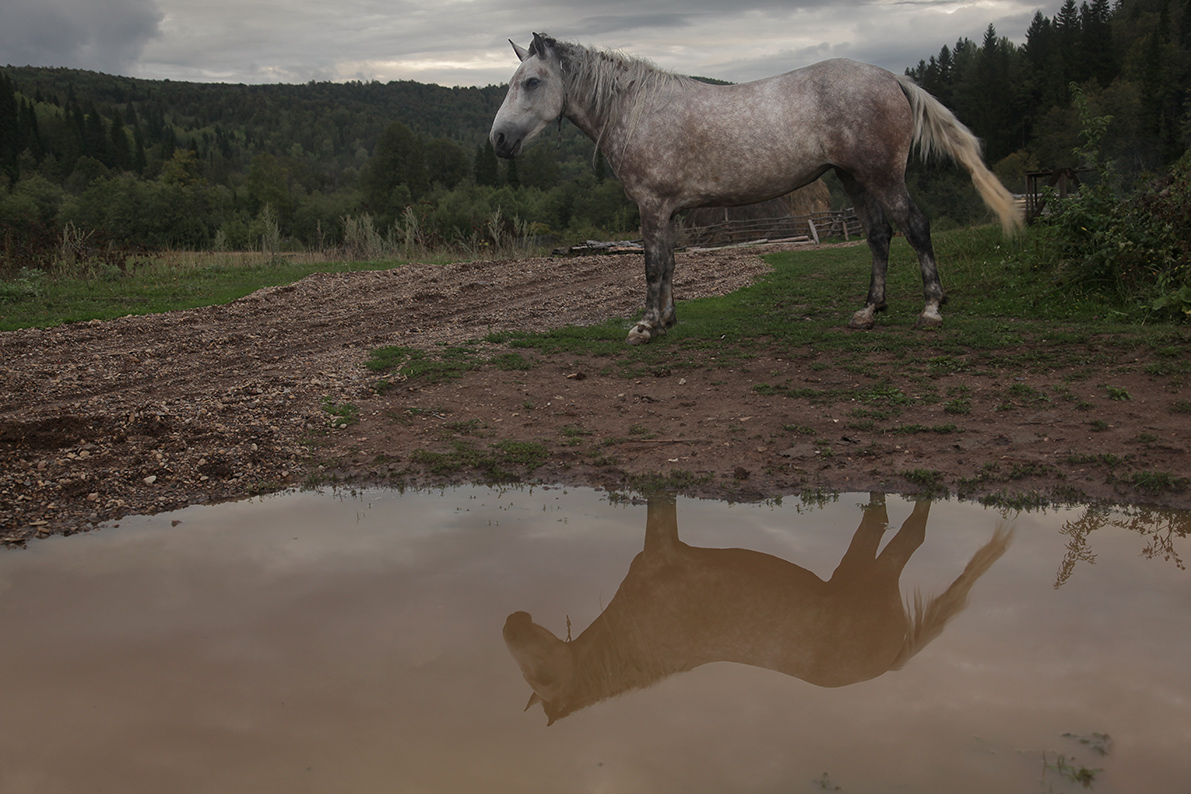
[(1132, 247), (1136, 249), (1167, 206)]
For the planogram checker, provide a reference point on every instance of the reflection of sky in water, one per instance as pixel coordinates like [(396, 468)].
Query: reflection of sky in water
[(324, 642)]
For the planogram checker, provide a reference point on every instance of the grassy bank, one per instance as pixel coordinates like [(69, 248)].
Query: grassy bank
[(997, 302), (996, 299)]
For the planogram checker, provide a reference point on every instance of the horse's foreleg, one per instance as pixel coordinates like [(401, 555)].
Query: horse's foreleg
[(658, 232)]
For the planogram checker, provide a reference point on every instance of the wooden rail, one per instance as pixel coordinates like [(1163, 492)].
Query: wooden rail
[(838, 223)]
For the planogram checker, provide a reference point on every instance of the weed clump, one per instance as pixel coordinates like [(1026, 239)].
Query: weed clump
[(1131, 246)]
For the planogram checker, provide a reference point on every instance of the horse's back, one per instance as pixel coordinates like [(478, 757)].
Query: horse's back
[(738, 144), (831, 83)]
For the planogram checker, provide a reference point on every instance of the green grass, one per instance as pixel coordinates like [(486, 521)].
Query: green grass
[(1158, 481), (913, 429), (148, 286), (512, 362), (929, 481), (1002, 314), (960, 405), (341, 414), (997, 301), (657, 482), (466, 427), (448, 363), (507, 461), (1027, 394), (1117, 393)]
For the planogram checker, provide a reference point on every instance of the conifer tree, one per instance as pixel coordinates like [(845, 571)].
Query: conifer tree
[(397, 160), (1095, 43), (512, 178), (10, 128), (487, 169), (121, 154)]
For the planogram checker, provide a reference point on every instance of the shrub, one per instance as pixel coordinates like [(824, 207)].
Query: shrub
[(1133, 247)]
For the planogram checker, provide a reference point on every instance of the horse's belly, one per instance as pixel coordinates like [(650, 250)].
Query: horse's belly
[(745, 183), (739, 171)]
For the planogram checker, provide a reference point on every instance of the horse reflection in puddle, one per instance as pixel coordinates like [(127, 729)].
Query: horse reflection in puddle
[(682, 606)]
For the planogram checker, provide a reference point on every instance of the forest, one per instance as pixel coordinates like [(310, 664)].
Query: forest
[(117, 164)]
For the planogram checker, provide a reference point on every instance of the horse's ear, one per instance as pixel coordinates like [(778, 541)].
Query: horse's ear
[(540, 45), (521, 53), (534, 699)]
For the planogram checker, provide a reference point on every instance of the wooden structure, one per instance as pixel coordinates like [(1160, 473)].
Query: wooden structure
[(804, 214), (787, 228), (598, 247), (1062, 180)]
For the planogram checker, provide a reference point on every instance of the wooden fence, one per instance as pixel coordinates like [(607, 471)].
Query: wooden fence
[(789, 228)]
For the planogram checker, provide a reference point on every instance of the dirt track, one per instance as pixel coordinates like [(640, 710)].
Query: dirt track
[(103, 419)]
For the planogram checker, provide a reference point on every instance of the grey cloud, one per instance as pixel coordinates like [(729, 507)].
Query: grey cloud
[(601, 25), (105, 35), (744, 69), (454, 42)]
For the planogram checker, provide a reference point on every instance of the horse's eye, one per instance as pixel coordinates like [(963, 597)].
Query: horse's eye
[(532, 83)]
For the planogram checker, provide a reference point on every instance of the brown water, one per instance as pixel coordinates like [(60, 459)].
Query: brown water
[(323, 642)]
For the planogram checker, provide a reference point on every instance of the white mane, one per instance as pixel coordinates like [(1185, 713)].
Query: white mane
[(611, 85)]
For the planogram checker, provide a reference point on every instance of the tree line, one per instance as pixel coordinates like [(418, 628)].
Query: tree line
[(142, 164), (1131, 61), (158, 164)]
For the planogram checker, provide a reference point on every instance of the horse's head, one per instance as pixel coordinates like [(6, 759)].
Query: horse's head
[(546, 662), (536, 97)]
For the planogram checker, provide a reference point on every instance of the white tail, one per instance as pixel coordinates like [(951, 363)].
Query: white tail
[(938, 132), (931, 617)]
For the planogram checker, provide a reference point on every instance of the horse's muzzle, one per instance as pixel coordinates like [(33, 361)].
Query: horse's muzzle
[(506, 147)]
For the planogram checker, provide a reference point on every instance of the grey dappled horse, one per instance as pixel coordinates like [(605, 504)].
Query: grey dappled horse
[(675, 143), (682, 606)]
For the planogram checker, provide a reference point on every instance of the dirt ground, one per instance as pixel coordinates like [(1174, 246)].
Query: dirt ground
[(100, 420)]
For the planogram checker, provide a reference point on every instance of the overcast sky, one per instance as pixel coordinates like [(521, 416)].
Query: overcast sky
[(464, 42)]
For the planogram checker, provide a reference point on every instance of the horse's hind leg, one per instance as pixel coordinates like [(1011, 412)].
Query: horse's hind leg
[(917, 229), (905, 213), (898, 551), (879, 233)]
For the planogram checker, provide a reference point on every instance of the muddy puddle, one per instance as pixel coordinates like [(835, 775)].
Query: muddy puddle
[(385, 642)]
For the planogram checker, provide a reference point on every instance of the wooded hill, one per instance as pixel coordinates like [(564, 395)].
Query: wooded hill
[(148, 163), (1133, 59)]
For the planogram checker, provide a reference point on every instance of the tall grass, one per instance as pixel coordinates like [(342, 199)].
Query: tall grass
[(409, 238)]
